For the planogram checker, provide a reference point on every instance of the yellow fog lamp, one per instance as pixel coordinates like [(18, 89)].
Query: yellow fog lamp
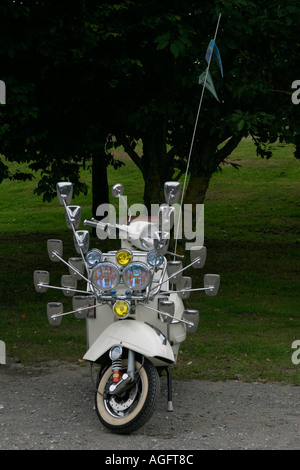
[(123, 257), (121, 309)]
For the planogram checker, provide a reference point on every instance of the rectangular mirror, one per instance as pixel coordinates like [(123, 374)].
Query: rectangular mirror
[(73, 216), (78, 264), (84, 306), (198, 252), (41, 277), (168, 307), (186, 283), (212, 280), (192, 316), (64, 192), (54, 308), (54, 246), (68, 282), (172, 191), (172, 268), (82, 240)]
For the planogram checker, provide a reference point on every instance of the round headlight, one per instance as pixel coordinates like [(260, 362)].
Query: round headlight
[(93, 257), (123, 257), (121, 309), (105, 276), (154, 259), (115, 352), (136, 276)]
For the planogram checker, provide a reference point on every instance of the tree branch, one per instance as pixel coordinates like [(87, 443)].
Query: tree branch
[(228, 148), (135, 157)]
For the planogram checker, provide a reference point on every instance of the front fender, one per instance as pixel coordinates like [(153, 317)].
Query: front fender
[(135, 335)]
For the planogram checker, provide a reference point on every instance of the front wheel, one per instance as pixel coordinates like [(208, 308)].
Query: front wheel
[(129, 411)]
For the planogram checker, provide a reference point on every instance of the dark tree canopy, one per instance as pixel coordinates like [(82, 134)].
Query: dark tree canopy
[(80, 73)]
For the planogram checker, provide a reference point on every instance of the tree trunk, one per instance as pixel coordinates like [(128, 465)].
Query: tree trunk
[(99, 181), (202, 167), (151, 172), (153, 190), (197, 187), (155, 165)]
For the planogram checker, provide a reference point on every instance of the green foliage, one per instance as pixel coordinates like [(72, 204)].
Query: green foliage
[(75, 77)]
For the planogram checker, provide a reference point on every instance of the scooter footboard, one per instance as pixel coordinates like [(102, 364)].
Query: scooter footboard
[(137, 336)]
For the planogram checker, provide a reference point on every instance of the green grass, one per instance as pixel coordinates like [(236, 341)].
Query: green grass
[(252, 233)]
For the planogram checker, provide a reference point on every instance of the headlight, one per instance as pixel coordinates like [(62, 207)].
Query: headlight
[(136, 276), (123, 257), (105, 276), (121, 309), (115, 352), (154, 258), (93, 257)]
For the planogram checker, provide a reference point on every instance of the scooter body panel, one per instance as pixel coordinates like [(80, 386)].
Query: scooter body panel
[(137, 336)]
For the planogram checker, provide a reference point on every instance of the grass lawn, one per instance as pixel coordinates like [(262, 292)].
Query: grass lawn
[(252, 234)]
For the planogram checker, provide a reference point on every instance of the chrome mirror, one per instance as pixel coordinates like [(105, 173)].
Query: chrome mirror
[(68, 282), (78, 264), (117, 190), (83, 306), (168, 307), (73, 216), (172, 268), (54, 246), (213, 281), (54, 308), (172, 192), (41, 277), (186, 283), (64, 192), (191, 316), (198, 252), (82, 241)]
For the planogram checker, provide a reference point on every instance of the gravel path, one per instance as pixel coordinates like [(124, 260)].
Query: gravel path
[(52, 407)]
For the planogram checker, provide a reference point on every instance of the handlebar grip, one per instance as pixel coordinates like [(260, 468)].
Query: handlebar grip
[(95, 223)]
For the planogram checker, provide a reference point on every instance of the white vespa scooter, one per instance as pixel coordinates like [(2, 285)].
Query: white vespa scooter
[(133, 305)]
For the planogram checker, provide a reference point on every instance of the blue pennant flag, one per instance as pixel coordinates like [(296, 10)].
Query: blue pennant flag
[(209, 84), (214, 53)]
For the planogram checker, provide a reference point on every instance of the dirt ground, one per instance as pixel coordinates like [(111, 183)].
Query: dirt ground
[(52, 407)]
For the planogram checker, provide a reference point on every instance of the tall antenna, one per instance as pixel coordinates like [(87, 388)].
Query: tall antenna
[(193, 136)]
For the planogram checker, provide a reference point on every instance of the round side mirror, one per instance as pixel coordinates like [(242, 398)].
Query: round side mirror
[(117, 190)]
